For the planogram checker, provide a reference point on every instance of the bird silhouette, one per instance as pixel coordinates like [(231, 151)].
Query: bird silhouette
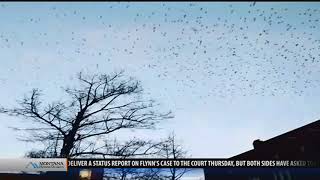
[(242, 51)]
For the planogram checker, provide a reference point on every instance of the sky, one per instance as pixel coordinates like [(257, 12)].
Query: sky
[(230, 72)]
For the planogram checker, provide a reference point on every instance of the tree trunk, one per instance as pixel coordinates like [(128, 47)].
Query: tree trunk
[(173, 174), (69, 139), (67, 146)]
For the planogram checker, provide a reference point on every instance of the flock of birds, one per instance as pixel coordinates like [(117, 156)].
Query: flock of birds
[(241, 50)]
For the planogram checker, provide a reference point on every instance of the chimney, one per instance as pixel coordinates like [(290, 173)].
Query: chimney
[(257, 143)]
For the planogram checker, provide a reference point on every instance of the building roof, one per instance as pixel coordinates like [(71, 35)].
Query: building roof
[(297, 138)]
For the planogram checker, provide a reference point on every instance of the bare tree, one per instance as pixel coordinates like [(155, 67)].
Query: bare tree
[(38, 154), (81, 125), (172, 150), (168, 149)]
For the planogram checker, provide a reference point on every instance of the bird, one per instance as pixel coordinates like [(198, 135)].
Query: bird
[(251, 51)]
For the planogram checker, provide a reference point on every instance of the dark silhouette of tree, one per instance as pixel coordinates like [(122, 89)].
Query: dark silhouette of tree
[(38, 154), (172, 150), (81, 124), (167, 149)]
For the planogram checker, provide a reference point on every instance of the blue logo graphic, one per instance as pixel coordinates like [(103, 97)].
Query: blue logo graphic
[(33, 165)]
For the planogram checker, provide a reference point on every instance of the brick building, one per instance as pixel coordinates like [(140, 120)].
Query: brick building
[(299, 144)]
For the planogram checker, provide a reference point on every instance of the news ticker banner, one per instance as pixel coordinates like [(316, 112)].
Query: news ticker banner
[(188, 163), (61, 164)]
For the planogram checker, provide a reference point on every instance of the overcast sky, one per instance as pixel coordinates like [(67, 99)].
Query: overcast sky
[(230, 72)]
